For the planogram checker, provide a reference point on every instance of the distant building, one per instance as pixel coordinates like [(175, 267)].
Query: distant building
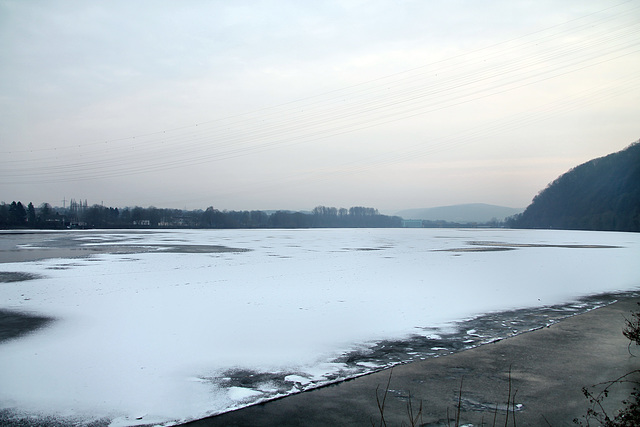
[(411, 223)]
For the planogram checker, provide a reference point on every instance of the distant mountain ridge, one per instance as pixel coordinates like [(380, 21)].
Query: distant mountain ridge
[(601, 194), (470, 212)]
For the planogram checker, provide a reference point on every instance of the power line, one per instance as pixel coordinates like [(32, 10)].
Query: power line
[(389, 99)]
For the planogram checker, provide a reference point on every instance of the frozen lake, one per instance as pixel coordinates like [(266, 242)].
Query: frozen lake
[(165, 326)]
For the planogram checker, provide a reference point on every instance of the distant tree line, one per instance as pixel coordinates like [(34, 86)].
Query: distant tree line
[(17, 215), (602, 194), (81, 215), (358, 216)]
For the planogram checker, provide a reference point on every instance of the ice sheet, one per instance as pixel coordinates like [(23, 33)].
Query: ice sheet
[(165, 336)]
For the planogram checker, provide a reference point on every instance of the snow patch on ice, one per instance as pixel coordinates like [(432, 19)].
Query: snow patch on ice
[(242, 394)]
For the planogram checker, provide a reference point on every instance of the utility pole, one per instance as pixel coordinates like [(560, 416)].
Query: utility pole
[(64, 202)]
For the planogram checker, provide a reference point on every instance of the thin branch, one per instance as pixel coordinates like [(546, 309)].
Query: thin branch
[(506, 420), (513, 402), (459, 403), (384, 398)]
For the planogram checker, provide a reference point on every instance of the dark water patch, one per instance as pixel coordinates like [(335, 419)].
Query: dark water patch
[(64, 266), (38, 254), (39, 246), (273, 383), (83, 251), (488, 246), (14, 418), (196, 249), (540, 245), (488, 249), (14, 324), (362, 249), (17, 276)]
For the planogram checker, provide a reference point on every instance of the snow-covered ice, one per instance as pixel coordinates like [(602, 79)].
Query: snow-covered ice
[(172, 335)]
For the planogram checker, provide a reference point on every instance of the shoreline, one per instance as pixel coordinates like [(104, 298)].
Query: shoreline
[(404, 387), (546, 366), (546, 369)]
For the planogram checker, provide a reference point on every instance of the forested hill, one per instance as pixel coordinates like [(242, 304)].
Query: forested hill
[(602, 194)]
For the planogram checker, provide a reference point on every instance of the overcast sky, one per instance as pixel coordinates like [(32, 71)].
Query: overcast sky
[(293, 104)]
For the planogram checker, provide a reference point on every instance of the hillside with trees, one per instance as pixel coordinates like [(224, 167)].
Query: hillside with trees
[(601, 194)]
